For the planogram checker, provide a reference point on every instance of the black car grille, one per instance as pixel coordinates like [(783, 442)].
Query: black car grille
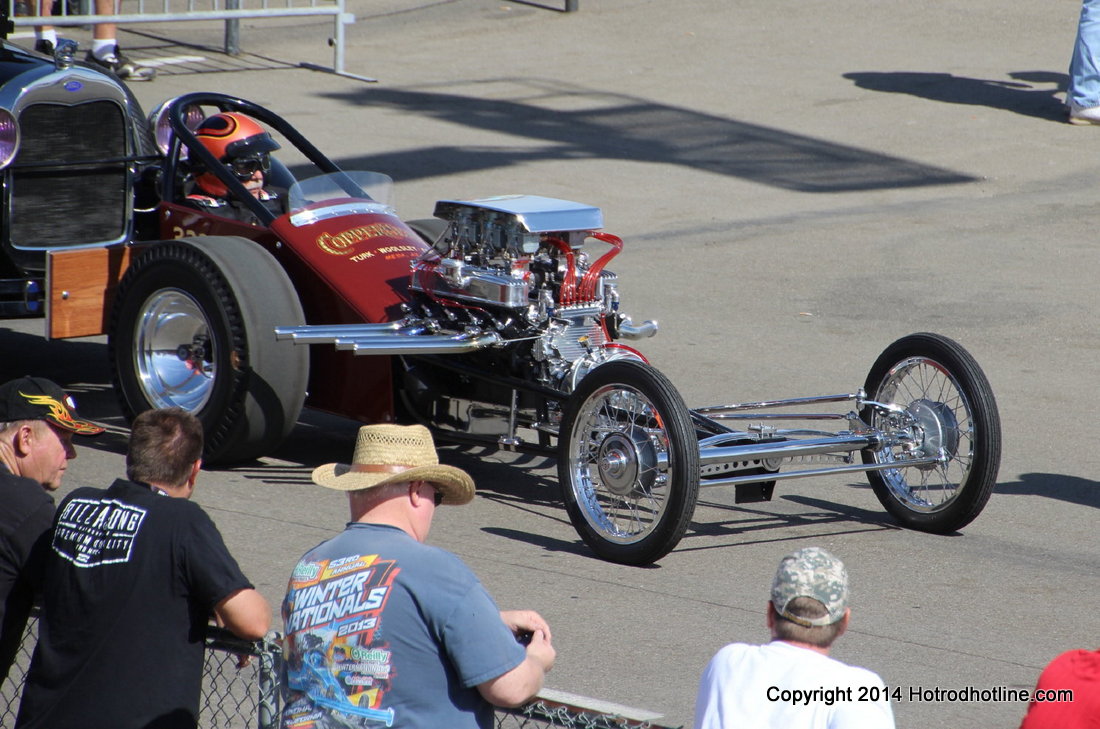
[(69, 180)]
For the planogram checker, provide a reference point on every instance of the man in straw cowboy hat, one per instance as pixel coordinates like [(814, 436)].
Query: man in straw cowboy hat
[(384, 629), (791, 682)]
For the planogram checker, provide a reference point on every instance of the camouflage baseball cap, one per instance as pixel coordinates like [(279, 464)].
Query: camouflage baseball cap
[(811, 572)]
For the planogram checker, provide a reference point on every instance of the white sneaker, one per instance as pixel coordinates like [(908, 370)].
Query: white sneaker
[(121, 66), (1083, 114)]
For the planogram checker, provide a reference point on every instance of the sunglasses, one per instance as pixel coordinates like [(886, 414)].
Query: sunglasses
[(437, 495), (245, 167)]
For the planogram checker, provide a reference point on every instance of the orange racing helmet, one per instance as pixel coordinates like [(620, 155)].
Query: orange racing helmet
[(230, 136)]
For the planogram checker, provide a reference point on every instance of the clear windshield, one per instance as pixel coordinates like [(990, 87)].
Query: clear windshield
[(337, 194)]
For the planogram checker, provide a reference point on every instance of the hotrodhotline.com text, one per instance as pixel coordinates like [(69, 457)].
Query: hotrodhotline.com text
[(830, 696)]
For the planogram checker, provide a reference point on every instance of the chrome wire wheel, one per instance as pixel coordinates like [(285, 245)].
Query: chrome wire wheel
[(938, 418), (947, 412), (629, 463), (174, 351), (619, 458)]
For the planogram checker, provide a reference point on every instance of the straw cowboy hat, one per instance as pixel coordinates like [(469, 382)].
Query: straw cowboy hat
[(396, 454)]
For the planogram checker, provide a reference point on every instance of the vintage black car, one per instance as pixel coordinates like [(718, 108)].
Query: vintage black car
[(73, 142)]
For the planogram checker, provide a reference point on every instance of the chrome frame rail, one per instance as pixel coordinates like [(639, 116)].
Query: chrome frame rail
[(716, 412), (831, 470), (789, 448), (811, 443)]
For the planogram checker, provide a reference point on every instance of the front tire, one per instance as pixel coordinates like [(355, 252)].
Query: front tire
[(950, 413), (193, 326), (628, 463)]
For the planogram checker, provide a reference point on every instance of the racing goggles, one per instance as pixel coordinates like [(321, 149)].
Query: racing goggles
[(245, 167)]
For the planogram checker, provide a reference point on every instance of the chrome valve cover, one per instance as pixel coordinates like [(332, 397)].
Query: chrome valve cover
[(456, 280)]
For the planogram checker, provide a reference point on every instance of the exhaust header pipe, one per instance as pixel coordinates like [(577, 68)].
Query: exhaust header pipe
[(387, 339)]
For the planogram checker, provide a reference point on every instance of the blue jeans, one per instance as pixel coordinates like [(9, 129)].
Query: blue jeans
[(1084, 66)]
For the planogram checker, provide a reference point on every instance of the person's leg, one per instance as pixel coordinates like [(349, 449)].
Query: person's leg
[(1084, 65), (104, 35), (45, 36), (105, 52)]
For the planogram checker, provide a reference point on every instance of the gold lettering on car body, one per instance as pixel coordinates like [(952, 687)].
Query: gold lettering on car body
[(341, 244)]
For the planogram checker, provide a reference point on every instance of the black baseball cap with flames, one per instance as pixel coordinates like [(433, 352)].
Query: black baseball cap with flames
[(36, 398)]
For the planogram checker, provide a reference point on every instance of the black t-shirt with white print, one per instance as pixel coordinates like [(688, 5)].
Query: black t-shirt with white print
[(130, 583), (26, 512)]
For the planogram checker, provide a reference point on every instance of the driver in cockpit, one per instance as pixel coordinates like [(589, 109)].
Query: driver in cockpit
[(244, 148)]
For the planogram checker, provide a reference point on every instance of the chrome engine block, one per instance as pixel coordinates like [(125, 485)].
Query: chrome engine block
[(517, 261)]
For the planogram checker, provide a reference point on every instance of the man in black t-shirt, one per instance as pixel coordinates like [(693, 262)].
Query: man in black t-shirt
[(133, 575), (37, 422)]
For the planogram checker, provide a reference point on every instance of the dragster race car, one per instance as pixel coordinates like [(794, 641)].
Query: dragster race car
[(496, 322)]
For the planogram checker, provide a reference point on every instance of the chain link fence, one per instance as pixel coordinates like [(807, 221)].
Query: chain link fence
[(554, 709), (239, 682), (13, 686), (240, 690)]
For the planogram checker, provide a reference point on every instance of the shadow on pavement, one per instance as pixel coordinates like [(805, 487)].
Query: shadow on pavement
[(757, 525), (1071, 489), (520, 482), (622, 127), (171, 56), (1019, 95), (549, 544)]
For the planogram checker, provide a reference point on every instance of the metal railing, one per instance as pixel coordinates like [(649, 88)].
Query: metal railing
[(24, 13), (248, 696), (76, 13)]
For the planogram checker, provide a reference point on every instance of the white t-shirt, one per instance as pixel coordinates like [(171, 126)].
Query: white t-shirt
[(784, 686)]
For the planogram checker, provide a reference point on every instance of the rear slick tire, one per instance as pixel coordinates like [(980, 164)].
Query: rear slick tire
[(193, 326)]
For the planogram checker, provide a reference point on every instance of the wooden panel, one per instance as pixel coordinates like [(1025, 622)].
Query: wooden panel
[(81, 286)]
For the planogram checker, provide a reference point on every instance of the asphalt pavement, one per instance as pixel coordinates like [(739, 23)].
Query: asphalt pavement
[(797, 184)]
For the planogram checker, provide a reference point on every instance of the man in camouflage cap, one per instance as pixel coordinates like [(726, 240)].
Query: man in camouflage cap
[(812, 573), (792, 682)]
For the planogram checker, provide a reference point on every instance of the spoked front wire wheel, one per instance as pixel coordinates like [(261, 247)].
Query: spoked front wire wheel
[(628, 463), (947, 412)]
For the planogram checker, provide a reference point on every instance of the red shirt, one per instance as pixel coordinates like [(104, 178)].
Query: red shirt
[(1079, 672)]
